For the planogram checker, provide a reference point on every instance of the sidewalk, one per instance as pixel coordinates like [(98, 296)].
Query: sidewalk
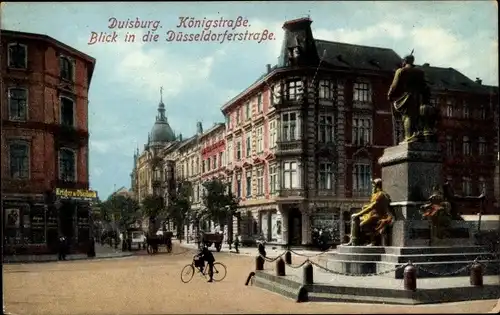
[(102, 252), (271, 250)]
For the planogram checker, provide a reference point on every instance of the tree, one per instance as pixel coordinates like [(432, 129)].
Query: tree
[(123, 210), (152, 207), (220, 204), (179, 206)]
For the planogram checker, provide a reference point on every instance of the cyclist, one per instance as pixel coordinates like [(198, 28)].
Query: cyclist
[(205, 255)]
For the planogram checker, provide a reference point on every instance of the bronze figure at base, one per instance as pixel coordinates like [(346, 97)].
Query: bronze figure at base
[(370, 224)]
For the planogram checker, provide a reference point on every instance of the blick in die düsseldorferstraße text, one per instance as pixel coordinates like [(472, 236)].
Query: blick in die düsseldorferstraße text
[(188, 29)]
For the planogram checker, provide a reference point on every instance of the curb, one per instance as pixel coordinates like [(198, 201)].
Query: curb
[(495, 309), (47, 260)]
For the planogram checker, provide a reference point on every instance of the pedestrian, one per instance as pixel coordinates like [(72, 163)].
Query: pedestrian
[(237, 243), (91, 251), (62, 248), (262, 249)]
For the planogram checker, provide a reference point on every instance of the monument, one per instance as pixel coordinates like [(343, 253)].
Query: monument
[(413, 218)]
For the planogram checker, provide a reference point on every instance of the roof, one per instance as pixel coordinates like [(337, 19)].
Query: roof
[(357, 56), (451, 79), (187, 141), (215, 127), (90, 60)]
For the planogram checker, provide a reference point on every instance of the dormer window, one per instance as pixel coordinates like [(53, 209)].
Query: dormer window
[(294, 89), (66, 68), (18, 56)]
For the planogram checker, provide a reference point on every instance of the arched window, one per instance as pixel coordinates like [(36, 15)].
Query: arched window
[(67, 165), (466, 146)]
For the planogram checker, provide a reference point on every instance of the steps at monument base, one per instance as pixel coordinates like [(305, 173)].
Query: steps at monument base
[(424, 250), (427, 270), (392, 258)]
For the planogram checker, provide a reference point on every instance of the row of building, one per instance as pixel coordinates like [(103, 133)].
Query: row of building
[(45, 143), (300, 145)]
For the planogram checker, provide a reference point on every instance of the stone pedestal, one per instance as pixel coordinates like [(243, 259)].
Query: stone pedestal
[(409, 173)]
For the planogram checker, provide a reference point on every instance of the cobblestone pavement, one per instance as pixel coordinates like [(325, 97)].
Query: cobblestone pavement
[(144, 284)]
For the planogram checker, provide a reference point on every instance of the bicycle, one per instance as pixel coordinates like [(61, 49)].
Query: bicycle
[(187, 273)]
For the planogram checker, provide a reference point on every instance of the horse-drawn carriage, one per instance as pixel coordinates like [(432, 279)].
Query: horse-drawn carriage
[(160, 239), (208, 239)]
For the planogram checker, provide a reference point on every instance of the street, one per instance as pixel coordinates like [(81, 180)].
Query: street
[(144, 284)]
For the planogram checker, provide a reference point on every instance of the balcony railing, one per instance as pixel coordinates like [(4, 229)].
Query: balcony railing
[(292, 192), (289, 147)]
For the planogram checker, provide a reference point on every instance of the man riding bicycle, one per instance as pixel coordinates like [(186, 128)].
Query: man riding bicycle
[(201, 257)]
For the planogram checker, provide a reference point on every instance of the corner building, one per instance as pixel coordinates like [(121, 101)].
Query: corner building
[(45, 142), (303, 141)]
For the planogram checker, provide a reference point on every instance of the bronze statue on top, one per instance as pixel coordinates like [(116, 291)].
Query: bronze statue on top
[(410, 96), (372, 221)]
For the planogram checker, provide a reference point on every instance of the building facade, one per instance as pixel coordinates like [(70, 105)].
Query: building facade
[(45, 135), (300, 145)]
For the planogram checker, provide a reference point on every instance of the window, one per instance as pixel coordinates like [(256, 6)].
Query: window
[(214, 165), (248, 145), (326, 89), (238, 186), (67, 165), (325, 176), (465, 110), (482, 112), (209, 164), (19, 159), (482, 185), (272, 134), (228, 121), (288, 126), (294, 90), (466, 186), (273, 179), (192, 167), (67, 112), (248, 111), (449, 108), (275, 94), (482, 146), (18, 56), (221, 157), (361, 181), (260, 182), (450, 146), (238, 150), (248, 173), (203, 167), (230, 151), (326, 130), (466, 146), (362, 92), (66, 68), (157, 174), (238, 116), (18, 104), (290, 176), (259, 103), (260, 143), (361, 131)]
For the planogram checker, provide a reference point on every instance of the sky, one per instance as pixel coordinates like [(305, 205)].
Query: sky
[(200, 77)]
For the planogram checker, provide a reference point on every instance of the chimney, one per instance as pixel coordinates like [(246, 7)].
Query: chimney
[(180, 137), (426, 64), (268, 68), (199, 128), (479, 81)]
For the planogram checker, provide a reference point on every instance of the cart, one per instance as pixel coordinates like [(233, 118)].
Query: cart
[(154, 242), (212, 238)]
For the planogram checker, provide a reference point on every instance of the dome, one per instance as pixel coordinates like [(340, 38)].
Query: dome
[(161, 131)]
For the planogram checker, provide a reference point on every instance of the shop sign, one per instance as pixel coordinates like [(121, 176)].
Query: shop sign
[(76, 194)]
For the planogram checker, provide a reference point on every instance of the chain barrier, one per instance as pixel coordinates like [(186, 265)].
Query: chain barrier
[(272, 259), (310, 256), (300, 265)]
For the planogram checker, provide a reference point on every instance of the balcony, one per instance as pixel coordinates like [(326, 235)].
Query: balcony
[(289, 147), (291, 192)]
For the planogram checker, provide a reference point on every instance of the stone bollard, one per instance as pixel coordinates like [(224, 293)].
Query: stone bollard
[(288, 258), (307, 273), (259, 263), (280, 267), (410, 277), (476, 274)]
